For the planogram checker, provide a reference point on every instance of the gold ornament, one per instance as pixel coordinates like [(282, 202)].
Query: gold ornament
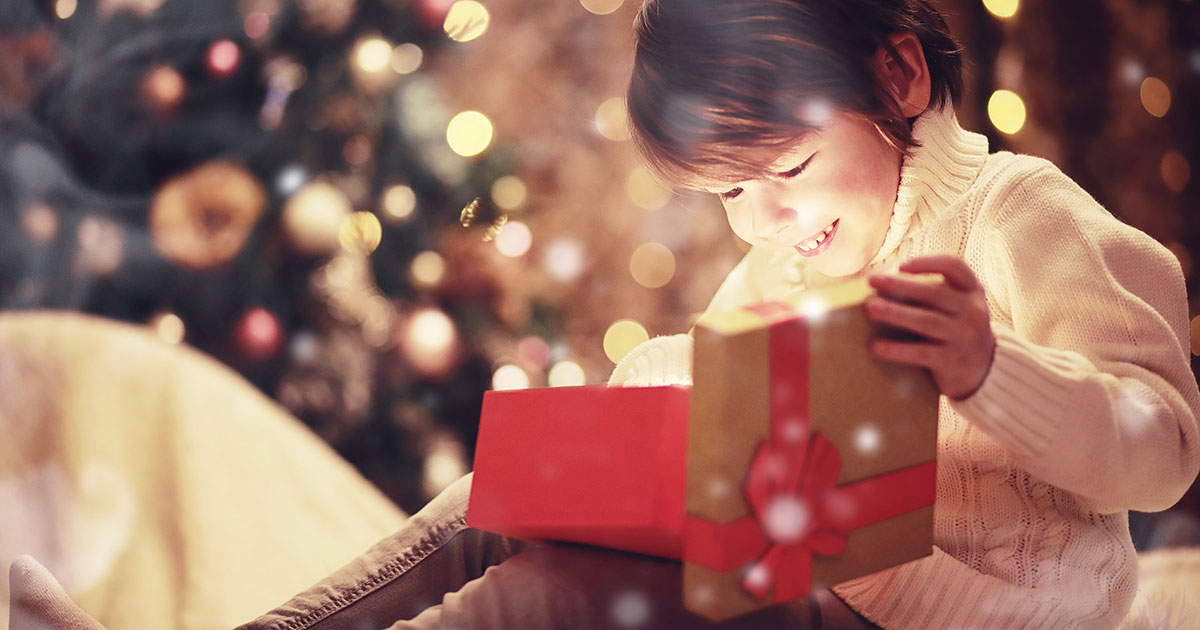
[(202, 218)]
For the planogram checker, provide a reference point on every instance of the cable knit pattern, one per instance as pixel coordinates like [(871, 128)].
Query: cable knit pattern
[(1089, 409)]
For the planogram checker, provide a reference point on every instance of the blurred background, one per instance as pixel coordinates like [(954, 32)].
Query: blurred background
[(375, 210)]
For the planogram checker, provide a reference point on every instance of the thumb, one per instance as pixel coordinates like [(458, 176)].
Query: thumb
[(38, 602)]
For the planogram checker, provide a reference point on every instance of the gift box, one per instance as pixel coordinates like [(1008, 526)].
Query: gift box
[(596, 465), (810, 462)]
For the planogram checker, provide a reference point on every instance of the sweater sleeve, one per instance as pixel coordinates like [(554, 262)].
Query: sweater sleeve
[(1090, 388)]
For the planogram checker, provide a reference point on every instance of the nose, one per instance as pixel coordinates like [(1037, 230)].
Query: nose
[(773, 215)]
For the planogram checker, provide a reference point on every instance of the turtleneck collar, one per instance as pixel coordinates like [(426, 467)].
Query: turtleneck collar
[(932, 176)]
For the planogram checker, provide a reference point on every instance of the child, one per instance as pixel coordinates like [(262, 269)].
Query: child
[(1059, 337)]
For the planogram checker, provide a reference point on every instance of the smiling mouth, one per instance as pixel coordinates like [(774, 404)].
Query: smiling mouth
[(820, 241)]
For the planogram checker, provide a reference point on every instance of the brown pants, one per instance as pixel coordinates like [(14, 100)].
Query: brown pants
[(437, 573)]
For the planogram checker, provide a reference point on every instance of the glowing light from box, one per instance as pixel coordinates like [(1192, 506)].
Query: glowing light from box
[(169, 327), (1175, 171), (631, 609), (514, 239), (407, 58), (466, 20), (1006, 110), (621, 337), (399, 202), (360, 232), (652, 265), (428, 268), (1002, 8), (601, 7), (509, 376), (222, 58), (257, 24), (563, 259), (1156, 97), (312, 218), (65, 8), (645, 191), (469, 133), (814, 308), (611, 120), (429, 341), (867, 439), (785, 518), (509, 192), (566, 374), (758, 577), (373, 54)]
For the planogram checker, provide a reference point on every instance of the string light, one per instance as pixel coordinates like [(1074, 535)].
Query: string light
[(645, 191), (509, 192), (1002, 8), (601, 7), (1156, 97), (566, 374), (469, 133), (621, 337), (514, 239), (509, 376), (1006, 110), (652, 265), (466, 20), (611, 120)]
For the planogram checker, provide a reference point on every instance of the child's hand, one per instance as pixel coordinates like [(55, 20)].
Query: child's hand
[(951, 316)]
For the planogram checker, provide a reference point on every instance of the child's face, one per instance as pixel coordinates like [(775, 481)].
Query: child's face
[(830, 199)]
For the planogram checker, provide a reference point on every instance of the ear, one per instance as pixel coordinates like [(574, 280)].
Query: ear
[(905, 74)]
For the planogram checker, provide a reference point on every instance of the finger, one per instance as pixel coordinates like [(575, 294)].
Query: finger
[(953, 268), (39, 601), (928, 323), (935, 294), (907, 352)]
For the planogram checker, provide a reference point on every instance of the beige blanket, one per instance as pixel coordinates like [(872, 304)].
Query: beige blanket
[(162, 489)]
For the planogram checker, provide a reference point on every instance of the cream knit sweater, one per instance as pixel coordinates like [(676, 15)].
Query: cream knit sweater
[(1089, 409)]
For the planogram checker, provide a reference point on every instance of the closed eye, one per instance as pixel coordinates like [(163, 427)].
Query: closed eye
[(799, 169), (732, 193)]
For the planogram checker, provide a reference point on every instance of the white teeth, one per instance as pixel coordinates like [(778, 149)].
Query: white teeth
[(812, 243)]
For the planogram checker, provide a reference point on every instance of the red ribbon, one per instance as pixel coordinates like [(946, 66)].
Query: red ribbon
[(796, 508)]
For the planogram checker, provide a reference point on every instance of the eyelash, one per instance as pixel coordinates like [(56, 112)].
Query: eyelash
[(795, 172)]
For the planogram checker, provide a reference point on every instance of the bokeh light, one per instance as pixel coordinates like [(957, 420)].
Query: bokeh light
[(65, 8), (1156, 97), (163, 89), (169, 327), (257, 24), (407, 58), (1002, 8), (290, 179), (533, 352), (509, 192), (222, 58), (429, 342), (611, 120), (1006, 110), (566, 374), (427, 269), (621, 337), (563, 259), (373, 54), (466, 20), (601, 7), (40, 221), (514, 239), (652, 265), (645, 191), (259, 334), (399, 202), (360, 232), (1175, 170), (469, 133), (509, 376), (313, 217)]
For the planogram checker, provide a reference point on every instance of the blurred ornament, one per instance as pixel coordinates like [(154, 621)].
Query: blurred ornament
[(621, 337), (169, 327), (533, 352), (652, 265), (563, 259), (313, 217), (40, 221), (509, 377), (259, 334), (1156, 97), (601, 7), (611, 119), (1002, 8), (427, 270), (508, 192), (430, 343), (1006, 110), (645, 191), (466, 20), (138, 7), (514, 239), (566, 374), (407, 58), (64, 9), (1175, 170), (360, 232), (202, 218), (223, 58), (101, 245), (162, 89), (399, 202), (327, 17), (469, 133)]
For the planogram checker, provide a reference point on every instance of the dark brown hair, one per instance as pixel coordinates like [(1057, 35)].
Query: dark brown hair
[(719, 86)]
